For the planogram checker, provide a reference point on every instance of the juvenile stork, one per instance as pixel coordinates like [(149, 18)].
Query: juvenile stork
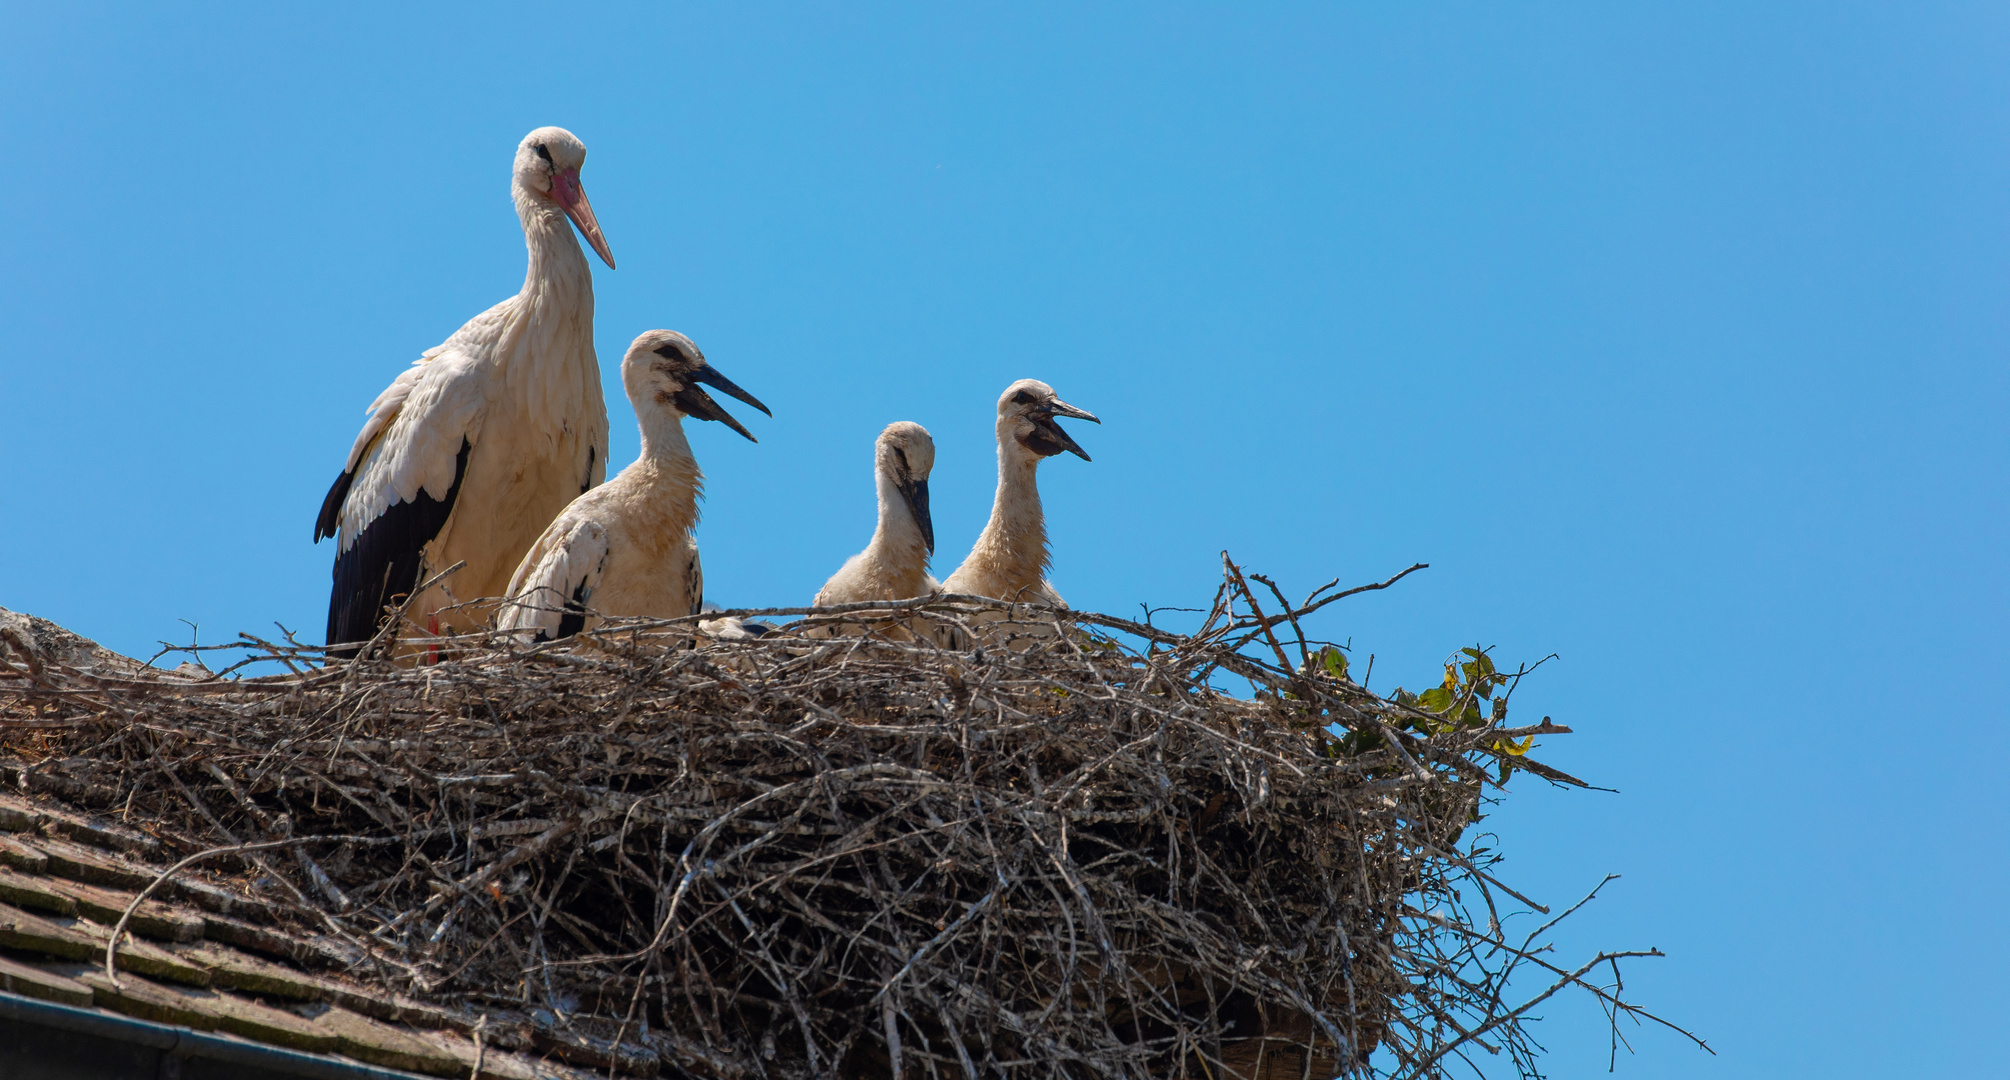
[(473, 450), (625, 548), (894, 566), (1009, 561)]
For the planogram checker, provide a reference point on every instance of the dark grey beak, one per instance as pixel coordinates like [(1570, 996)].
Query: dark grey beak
[(1049, 438), (695, 402), (916, 494)]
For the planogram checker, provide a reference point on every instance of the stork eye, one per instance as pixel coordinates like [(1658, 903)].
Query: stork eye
[(543, 153), (670, 351), (1024, 397), (902, 455)]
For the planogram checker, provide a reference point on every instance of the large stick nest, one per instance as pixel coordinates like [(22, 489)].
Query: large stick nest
[(798, 857)]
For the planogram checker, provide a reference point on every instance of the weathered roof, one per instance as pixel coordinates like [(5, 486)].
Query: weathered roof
[(205, 972)]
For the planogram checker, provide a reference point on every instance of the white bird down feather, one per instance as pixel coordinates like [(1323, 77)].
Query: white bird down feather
[(894, 565), (1009, 560), (625, 548), (471, 451)]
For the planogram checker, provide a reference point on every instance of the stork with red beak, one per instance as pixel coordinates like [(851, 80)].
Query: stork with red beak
[(477, 446)]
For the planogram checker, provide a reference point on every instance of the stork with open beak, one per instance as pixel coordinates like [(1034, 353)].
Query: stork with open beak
[(472, 450), (894, 566), (1009, 560), (625, 548)]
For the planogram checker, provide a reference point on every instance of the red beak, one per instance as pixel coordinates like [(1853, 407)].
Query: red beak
[(565, 191)]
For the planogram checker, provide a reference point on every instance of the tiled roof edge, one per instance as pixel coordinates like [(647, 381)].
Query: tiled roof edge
[(187, 1042)]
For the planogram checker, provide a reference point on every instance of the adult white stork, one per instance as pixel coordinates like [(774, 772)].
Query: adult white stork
[(894, 566), (1009, 560), (473, 450), (625, 548)]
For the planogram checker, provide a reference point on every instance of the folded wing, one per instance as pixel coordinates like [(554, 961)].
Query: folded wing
[(555, 582), (398, 488)]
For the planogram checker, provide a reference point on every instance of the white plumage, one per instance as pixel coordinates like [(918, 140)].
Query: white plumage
[(625, 548), (1009, 560), (470, 452)]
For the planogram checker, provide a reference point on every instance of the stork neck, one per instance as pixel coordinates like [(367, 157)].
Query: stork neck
[(897, 539), (558, 269), (1014, 541), (663, 440), (666, 468)]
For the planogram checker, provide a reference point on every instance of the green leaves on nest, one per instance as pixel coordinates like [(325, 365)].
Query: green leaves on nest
[(1457, 702), (1472, 695), (1333, 661)]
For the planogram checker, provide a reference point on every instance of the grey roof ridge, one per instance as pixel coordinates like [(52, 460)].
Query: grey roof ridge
[(182, 1042)]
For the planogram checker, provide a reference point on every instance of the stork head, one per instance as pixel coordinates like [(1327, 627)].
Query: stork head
[(547, 167), (903, 457), (1026, 413), (664, 370)]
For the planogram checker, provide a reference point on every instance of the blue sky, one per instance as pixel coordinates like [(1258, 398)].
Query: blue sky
[(1672, 337)]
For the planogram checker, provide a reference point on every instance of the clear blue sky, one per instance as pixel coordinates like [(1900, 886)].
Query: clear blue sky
[(1673, 338)]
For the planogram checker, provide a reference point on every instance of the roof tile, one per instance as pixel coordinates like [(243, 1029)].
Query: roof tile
[(19, 978), (80, 863), (143, 957), (495, 1064), (17, 815), (228, 967), (35, 894), (267, 1025), (32, 933), (152, 919), (312, 950), (222, 901), (380, 1044), (98, 834), (22, 856), (135, 996)]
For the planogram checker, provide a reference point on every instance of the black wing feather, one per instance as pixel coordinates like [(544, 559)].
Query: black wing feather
[(331, 507), (383, 564), (574, 619)]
